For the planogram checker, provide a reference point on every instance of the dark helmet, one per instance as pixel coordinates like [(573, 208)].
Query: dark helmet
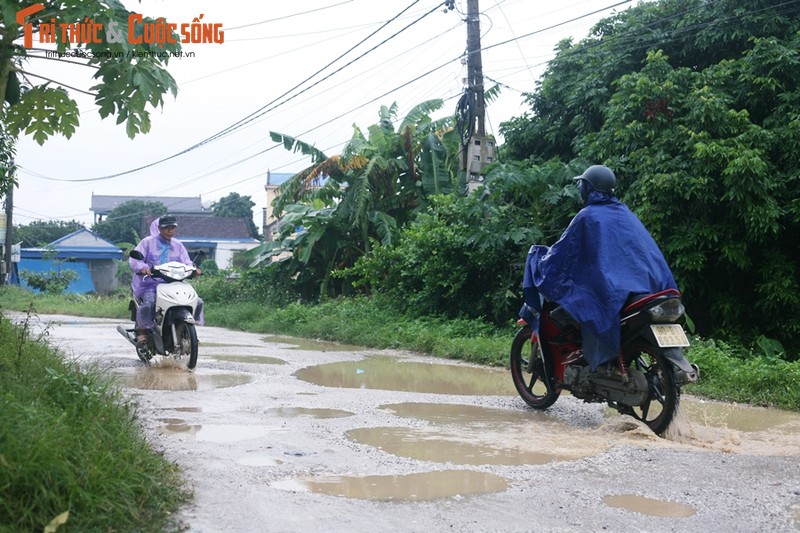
[(600, 177), (167, 221)]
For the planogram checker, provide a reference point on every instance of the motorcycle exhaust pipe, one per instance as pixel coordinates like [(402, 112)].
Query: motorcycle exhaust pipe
[(128, 334), (689, 377)]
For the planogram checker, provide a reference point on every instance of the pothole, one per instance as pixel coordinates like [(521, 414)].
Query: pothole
[(391, 373), (408, 487)]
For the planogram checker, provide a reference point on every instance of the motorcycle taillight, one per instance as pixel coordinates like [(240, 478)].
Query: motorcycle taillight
[(667, 311)]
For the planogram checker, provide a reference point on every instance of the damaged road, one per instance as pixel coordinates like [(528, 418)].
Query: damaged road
[(277, 434)]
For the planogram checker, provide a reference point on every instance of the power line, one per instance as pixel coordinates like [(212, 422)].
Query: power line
[(288, 16), (264, 109)]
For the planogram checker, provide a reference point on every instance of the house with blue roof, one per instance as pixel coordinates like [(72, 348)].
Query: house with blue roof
[(84, 251)]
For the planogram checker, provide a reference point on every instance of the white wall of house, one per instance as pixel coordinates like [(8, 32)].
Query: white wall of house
[(223, 255)]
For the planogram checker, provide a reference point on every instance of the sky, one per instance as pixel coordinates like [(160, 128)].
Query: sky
[(311, 70)]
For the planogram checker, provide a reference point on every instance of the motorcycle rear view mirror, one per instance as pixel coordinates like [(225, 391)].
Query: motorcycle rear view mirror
[(136, 254)]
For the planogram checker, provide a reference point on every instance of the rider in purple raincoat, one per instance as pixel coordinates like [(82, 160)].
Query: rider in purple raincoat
[(159, 248), (603, 257)]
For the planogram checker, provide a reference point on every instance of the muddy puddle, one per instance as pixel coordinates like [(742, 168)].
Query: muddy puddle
[(699, 423), (736, 428), (219, 433), (649, 506), (409, 487), (391, 373), (308, 412), (474, 435), (176, 378), (252, 359)]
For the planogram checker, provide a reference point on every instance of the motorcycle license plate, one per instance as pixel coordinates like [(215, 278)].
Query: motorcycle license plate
[(669, 335)]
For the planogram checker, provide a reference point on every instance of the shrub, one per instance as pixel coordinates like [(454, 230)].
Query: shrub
[(52, 282)]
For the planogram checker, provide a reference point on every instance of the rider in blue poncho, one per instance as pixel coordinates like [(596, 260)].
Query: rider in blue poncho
[(604, 256)]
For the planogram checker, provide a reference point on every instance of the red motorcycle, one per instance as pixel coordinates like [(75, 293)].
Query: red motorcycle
[(645, 380)]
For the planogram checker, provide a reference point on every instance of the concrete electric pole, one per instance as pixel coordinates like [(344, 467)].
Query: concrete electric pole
[(475, 65), (6, 277), (477, 148)]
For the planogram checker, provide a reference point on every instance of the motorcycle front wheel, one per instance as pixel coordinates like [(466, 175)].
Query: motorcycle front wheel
[(187, 343), (528, 373), (663, 400)]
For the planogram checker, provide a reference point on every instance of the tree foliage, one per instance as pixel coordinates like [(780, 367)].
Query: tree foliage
[(41, 232), (344, 203), (123, 224), (54, 281), (123, 78), (464, 255), (128, 76), (696, 107), (237, 206)]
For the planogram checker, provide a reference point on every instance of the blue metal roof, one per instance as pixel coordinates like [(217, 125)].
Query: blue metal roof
[(81, 244)]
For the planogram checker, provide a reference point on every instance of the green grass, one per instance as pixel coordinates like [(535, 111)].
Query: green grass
[(70, 443), (19, 299), (358, 321), (729, 373)]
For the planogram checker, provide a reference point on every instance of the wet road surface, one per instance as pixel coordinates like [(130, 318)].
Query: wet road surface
[(279, 434)]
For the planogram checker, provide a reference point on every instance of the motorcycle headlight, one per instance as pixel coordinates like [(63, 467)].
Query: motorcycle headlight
[(668, 311)]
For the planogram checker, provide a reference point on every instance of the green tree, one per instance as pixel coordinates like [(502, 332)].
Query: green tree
[(41, 232), (569, 100), (54, 281), (715, 178), (694, 105), (123, 223), (464, 255), (374, 187), (237, 206), (127, 77)]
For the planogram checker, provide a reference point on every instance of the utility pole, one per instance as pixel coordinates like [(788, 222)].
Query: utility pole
[(477, 148), (6, 278), (475, 65)]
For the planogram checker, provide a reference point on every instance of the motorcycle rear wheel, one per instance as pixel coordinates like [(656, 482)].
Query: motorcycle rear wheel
[(187, 343), (664, 398), (530, 380)]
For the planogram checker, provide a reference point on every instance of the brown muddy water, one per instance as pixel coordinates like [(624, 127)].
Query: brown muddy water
[(409, 487), (701, 423), (461, 434), (650, 506), (391, 373), (171, 376)]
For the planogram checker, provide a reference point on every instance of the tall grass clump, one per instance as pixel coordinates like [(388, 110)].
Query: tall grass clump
[(71, 449), (360, 321), (731, 373)]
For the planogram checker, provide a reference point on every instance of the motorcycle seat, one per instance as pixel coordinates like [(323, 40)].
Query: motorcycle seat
[(560, 316), (637, 300)]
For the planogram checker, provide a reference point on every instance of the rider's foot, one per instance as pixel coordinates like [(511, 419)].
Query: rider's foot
[(610, 369), (141, 338)]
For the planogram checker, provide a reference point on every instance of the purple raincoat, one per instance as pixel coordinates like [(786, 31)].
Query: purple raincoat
[(156, 251)]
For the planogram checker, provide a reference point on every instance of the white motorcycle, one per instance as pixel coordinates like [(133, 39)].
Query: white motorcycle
[(174, 333)]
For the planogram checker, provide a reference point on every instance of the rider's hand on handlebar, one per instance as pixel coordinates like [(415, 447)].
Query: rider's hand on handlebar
[(197, 271), (145, 271)]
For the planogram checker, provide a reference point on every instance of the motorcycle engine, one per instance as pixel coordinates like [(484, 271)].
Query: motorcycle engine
[(607, 385), (576, 379)]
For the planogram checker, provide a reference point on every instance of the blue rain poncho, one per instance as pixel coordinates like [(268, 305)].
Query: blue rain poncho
[(603, 257)]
